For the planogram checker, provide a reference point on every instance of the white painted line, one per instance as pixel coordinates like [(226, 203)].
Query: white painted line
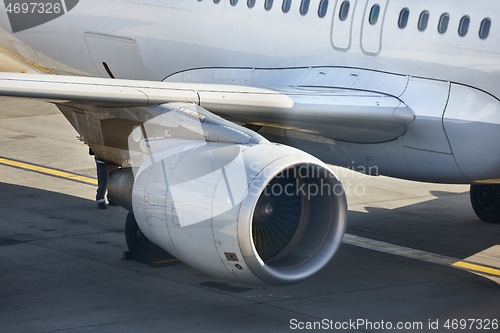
[(493, 268)]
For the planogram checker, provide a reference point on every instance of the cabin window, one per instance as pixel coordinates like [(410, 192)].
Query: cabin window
[(286, 6), (251, 3), (268, 4), (444, 20), (304, 7), (463, 28), (484, 30), (423, 21), (344, 10), (233, 2), (323, 8), (216, 1), (374, 14), (403, 18)]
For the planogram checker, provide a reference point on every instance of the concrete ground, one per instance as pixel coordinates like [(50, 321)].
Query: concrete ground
[(61, 267)]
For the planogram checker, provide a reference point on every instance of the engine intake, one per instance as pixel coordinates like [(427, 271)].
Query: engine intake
[(295, 223)]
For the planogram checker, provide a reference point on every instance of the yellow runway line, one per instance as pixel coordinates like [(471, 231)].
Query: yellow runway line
[(27, 61), (48, 171), (477, 268)]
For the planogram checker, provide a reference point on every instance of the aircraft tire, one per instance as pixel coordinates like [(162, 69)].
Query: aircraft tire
[(485, 200), (140, 248)]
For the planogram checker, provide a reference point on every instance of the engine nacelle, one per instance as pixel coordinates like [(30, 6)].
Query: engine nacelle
[(261, 213), (224, 200)]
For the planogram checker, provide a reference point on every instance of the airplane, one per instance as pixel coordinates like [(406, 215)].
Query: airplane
[(224, 113)]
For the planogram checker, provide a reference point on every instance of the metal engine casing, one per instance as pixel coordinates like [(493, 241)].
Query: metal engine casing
[(197, 201)]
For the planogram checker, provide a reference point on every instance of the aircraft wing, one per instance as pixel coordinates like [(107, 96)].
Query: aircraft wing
[(343, 114)]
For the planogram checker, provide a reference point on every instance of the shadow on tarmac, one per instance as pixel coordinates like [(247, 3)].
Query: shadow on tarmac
[(61, 270)]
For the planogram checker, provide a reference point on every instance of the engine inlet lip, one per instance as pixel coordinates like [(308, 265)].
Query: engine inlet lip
[(331, 241)]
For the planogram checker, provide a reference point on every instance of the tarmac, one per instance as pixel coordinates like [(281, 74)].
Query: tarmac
[(415, 257)]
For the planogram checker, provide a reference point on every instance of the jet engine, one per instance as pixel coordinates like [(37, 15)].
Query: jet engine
[(244, 209)]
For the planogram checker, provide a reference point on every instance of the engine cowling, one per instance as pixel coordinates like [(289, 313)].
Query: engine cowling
[(225, 201), (265, 213)]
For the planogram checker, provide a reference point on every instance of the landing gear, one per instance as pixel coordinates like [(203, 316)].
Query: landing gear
[(485, 200), (142, 249)]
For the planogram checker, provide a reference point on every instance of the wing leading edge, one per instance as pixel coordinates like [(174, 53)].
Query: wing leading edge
[(342, 114)]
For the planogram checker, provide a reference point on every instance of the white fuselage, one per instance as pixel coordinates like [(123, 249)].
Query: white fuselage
[(449, 81)]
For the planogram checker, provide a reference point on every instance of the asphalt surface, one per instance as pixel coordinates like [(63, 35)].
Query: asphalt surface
[(61, 267)]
